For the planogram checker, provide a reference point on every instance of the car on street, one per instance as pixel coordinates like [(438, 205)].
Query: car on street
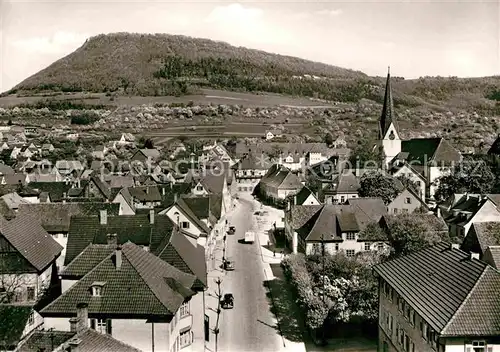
[(232, 230), (228, 301), (229, 264)]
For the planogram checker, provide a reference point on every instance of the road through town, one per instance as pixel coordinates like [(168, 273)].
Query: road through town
[(250, 325)]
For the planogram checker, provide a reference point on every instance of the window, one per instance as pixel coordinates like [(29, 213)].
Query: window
[(424, 330), (342, 199), (31, 293), (65, 235), (31, 318), (350, 252), (102, 326), (200, 188), (380, 247), (336, 247), (185, 224), (405, 210), (96, 291), (395, 210), (184, 310), (478, 346), (400, 304), (418, 183), (55, 235), (367, 246), (350, 236), (186, 338), (408, 201)]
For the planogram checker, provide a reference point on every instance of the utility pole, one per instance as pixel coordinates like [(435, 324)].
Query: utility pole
[(219, 296), (51, 338)]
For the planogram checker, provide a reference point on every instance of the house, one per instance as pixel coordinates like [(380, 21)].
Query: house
[(47, 148), (270, 134), (422, 308), (55, 191), (79, 338), (143, 155), (407, 201), (481, 236), (55, 218), (407, 171), (125, 139), (337, 226), (96, 188), (343, 187), (249, 171), (430, 157), (145, 197), (30, 130), (69, 167), (467, 210), (27, 266), (306, 197), (158, 307), (279, 182), (99, 152)]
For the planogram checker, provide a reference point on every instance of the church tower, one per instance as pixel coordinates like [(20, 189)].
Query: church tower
[(388, 131)]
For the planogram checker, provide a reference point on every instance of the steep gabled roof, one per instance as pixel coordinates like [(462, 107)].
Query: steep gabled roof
[(137, 229), (179, 252), (421, 151), (323, 223), (56, 190), (42, 340), (427, 280), (181, 204), (303, 194), (495, 147), (214, 183), (87, 260), (388, 116), (55, 217), (488, 234), (29, 238), (144, 286)]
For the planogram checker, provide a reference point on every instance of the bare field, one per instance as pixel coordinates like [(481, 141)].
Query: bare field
[(208, 96)]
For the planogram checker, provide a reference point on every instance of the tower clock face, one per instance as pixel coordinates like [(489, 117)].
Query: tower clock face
[(392, 136)]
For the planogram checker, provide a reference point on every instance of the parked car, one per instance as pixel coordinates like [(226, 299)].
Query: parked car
[(229, 264), (228, 301), (232, 230)]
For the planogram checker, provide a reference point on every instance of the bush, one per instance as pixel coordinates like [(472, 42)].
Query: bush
[(84, 119)]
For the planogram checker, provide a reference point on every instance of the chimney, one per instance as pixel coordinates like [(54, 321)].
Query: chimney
[(163, 191), (64, 197), (295, 199), (467, 196), (147, 189), (74, 345), (171, 186), (175, 197), (118, 257), (104, 217), (152, 216), (474, 256), (112, 239), (455, 246), (82, 314), (438, 212), (79, 183), (73, 324)]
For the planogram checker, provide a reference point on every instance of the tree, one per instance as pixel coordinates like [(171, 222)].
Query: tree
[(366, 154), (148, 144), (409, 184), (329, 139), (469, 176), (378, 185), (409, 233)]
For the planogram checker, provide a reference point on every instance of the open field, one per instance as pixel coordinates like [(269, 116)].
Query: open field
[(208, 96)]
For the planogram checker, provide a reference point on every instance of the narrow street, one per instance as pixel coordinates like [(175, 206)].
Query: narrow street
[(250, 325)]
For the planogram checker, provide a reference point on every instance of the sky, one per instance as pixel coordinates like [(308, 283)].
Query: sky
[(416, 38)]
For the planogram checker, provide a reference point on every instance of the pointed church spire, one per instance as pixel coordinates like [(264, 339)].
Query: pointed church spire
[(387, 116)]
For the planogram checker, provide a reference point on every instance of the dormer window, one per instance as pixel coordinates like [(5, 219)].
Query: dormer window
[(96, 288), (392, 136)]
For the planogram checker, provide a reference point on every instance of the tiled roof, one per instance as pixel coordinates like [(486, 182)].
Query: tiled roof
[(6, 169), (55, 189), (14, 200), (181, 204), (55, 217), (15, 179), (302, 196), (281, 177), (427, 280), (87, 260), (345, 183), (182, 254), (213, 183), (145, 193), (102, 186), (479, 314), (115, 181), (29, 238), (14, 319), (135, 228), (424, 150), (6, 211), (149, 153), (300, 214), (323, 223), (144, 286), (254, 162), (367, 210), (488, 234), (492, 256), (69, 165), (42, 340), (200, 206), (92, 341), (216, 205), (288, 148)]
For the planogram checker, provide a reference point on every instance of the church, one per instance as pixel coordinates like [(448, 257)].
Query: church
[(423, 160)]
